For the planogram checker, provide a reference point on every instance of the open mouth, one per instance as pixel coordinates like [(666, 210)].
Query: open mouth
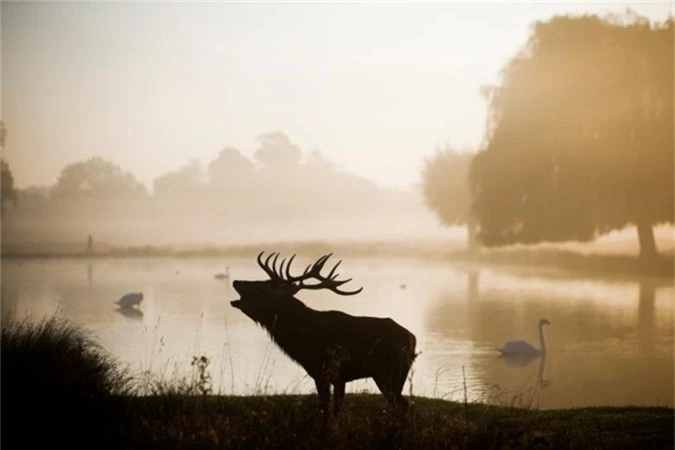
[(235, 303)]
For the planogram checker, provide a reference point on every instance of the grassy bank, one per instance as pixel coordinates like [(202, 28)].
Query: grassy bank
[(59, 387), (294, 422)]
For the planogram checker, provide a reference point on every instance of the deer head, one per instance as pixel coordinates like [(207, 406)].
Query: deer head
[(257, 296)]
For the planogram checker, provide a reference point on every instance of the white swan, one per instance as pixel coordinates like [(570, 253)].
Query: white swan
[(130, 299), (523, 348)]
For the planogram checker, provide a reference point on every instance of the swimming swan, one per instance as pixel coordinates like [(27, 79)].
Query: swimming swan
[(129, 300), (523, 348)]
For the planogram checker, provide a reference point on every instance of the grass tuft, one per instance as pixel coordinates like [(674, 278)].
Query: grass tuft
[(57, 382)]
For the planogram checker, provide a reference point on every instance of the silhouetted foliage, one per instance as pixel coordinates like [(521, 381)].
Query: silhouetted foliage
[(277, 152), (97, 178), (230, 168), (233, 199), (8, 192), (445, 180), (187, 180), (580, 134), (57, 384), (317, 160), (33, 195)]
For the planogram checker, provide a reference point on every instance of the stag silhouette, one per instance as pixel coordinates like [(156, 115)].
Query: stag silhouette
[(333, 347)]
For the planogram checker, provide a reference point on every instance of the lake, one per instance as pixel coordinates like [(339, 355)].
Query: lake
[(609, 343)]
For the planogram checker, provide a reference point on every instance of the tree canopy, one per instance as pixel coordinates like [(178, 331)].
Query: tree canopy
[(230, 168), (97, 178), (580, 134), (8, 192), (277, 151), (446, 185), (186, 181)]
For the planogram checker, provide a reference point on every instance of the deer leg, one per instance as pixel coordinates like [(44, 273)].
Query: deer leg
[(323, 388), (392, 391), (338, 396), (397, 388), (401, 402), (384, 385)]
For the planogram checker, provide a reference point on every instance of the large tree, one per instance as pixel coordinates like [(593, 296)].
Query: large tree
[(445, 182), (580, 134), (97, 178)]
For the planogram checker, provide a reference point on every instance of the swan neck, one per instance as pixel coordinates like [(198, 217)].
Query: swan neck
[(542, 342)]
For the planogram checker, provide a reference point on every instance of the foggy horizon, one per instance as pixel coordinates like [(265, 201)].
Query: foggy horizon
[(376, 88)]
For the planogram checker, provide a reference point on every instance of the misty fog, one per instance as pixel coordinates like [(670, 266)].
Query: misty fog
[(284, 196)]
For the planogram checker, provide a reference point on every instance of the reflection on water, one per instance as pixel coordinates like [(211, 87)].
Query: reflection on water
[(646, 329), (610, 343), (130, 312), (520, 360), (90, 273)]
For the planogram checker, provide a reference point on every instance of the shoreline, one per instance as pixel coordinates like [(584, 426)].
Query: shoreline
[(558, 261)]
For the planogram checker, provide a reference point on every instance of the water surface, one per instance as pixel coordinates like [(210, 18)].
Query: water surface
[(610, 343)]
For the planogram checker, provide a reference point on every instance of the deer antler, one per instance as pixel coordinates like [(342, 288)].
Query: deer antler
[(271, 272), (328, 282), (311, 271)]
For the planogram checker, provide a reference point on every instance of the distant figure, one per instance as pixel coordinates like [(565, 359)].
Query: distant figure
[(403, 286), (130, 300), (90, 245), (223, 275)]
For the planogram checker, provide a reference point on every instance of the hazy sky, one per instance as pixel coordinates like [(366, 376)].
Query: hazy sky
[(151, 85)]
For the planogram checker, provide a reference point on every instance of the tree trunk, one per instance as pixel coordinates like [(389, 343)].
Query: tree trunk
[(647, 242)]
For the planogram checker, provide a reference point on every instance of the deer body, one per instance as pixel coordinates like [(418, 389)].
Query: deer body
[(333, 347)]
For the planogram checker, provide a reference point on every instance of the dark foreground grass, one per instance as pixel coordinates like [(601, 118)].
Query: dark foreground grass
[(60, 389), (294, 422), (58, 385)]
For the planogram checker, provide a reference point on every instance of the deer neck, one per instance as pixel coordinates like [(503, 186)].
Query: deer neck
[(287, 313)]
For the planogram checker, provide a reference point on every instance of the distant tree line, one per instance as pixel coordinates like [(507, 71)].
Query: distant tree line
[(579, 140), (279, 192), (277, 162)]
